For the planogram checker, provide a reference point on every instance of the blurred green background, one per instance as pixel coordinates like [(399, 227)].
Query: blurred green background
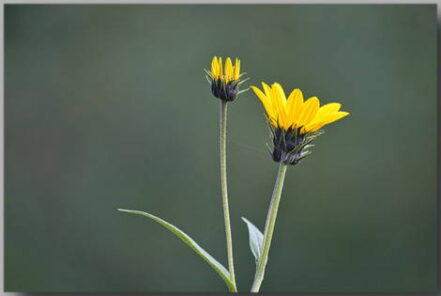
[(107, 106)]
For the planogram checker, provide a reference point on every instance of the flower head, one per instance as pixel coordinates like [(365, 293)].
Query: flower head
[(225, 79), (295, 123)]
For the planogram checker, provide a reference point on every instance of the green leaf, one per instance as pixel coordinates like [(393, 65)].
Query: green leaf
[(256, 239), (219, 268)]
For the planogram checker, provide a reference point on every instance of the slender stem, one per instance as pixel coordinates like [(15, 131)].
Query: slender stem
[(269, 227), (223, 177)]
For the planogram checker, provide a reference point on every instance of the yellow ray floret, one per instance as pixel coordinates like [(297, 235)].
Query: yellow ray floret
[(293, 112), (225, 72)]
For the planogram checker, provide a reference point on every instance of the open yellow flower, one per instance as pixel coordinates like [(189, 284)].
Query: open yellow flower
[(295, 122), (225, 79), (293, 112)]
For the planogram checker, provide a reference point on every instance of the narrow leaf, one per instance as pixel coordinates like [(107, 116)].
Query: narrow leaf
[(219, 268), (256, 239)]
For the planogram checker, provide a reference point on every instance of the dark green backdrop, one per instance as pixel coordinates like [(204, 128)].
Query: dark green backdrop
[(107, 106)]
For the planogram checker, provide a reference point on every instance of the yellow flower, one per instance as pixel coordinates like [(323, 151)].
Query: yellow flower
[(225, 78), (295, 123), (228, 73), (293, 112)]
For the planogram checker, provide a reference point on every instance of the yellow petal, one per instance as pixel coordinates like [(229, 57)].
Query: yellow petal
[(309, 110), (331, 117), (312, 127), (219, 61), (325, 111), (269, 94), (330, 107), (228, 70), (214, 68), (280, 92), (336, 116), (236, 69), (267, 90), (265, 102), (294, 105), (279, 100)]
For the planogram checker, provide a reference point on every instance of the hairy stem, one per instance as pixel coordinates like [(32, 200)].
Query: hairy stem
[(269, 228), (224, 190)]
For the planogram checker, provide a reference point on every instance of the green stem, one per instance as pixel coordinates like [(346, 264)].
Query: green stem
[(269, 227), (223, 177)]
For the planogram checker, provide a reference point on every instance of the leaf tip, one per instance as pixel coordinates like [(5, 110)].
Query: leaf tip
[(123, 210), (244, 219)]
